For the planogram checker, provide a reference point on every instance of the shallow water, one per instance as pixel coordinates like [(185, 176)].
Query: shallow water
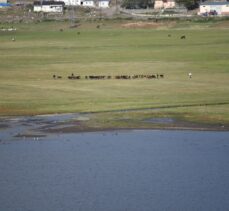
[(164, 120), (112, 171), (33, 126)]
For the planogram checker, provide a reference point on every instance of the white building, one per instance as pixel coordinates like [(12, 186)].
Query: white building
[(71, 2), (84, 3), (104, 3), (87, 3), (4, 4), (216, 8), (225, 9), (164, 4), (48, 6)]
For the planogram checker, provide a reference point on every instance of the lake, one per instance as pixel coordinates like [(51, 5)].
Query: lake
[(139, 170)]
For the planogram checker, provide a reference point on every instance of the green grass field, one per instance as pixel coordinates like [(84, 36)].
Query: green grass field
[(41, 50)]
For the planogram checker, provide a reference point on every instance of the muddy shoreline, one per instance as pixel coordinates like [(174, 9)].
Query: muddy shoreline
[(41, 126), (174, 126)]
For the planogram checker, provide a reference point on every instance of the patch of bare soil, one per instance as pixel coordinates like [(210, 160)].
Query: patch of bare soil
[(143, 25), (147, 25), (222, 25)]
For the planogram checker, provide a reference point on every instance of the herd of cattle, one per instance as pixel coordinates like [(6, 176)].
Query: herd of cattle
[(102, 77)]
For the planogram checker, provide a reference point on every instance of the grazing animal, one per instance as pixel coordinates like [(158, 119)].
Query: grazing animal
[(183, 37), (57, 77), (74, 77), (150, 76), (61, 30), (102, 77), (13, 39), (74, 26)]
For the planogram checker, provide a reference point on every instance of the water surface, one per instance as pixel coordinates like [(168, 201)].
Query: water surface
[(116, 171)]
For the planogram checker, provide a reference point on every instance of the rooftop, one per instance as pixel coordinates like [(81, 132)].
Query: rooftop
[(37, 3), (215, 3), (5, 5)]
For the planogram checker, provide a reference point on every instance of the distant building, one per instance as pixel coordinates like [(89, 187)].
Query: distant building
[(214, 8), (71, 2), (4, 5), (104, 3), (164, 4), (48, 6), (84, 3), (87, 3)]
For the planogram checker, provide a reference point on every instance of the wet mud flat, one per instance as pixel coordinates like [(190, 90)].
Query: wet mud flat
[(33, 127), (41, 126)]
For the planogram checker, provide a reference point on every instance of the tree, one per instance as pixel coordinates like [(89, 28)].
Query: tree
[(136, 4), (189, 4)]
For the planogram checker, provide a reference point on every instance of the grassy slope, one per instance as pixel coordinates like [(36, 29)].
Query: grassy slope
[(41, 50)]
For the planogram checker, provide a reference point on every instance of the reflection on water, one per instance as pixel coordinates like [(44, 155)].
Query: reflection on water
[(130, 170)]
